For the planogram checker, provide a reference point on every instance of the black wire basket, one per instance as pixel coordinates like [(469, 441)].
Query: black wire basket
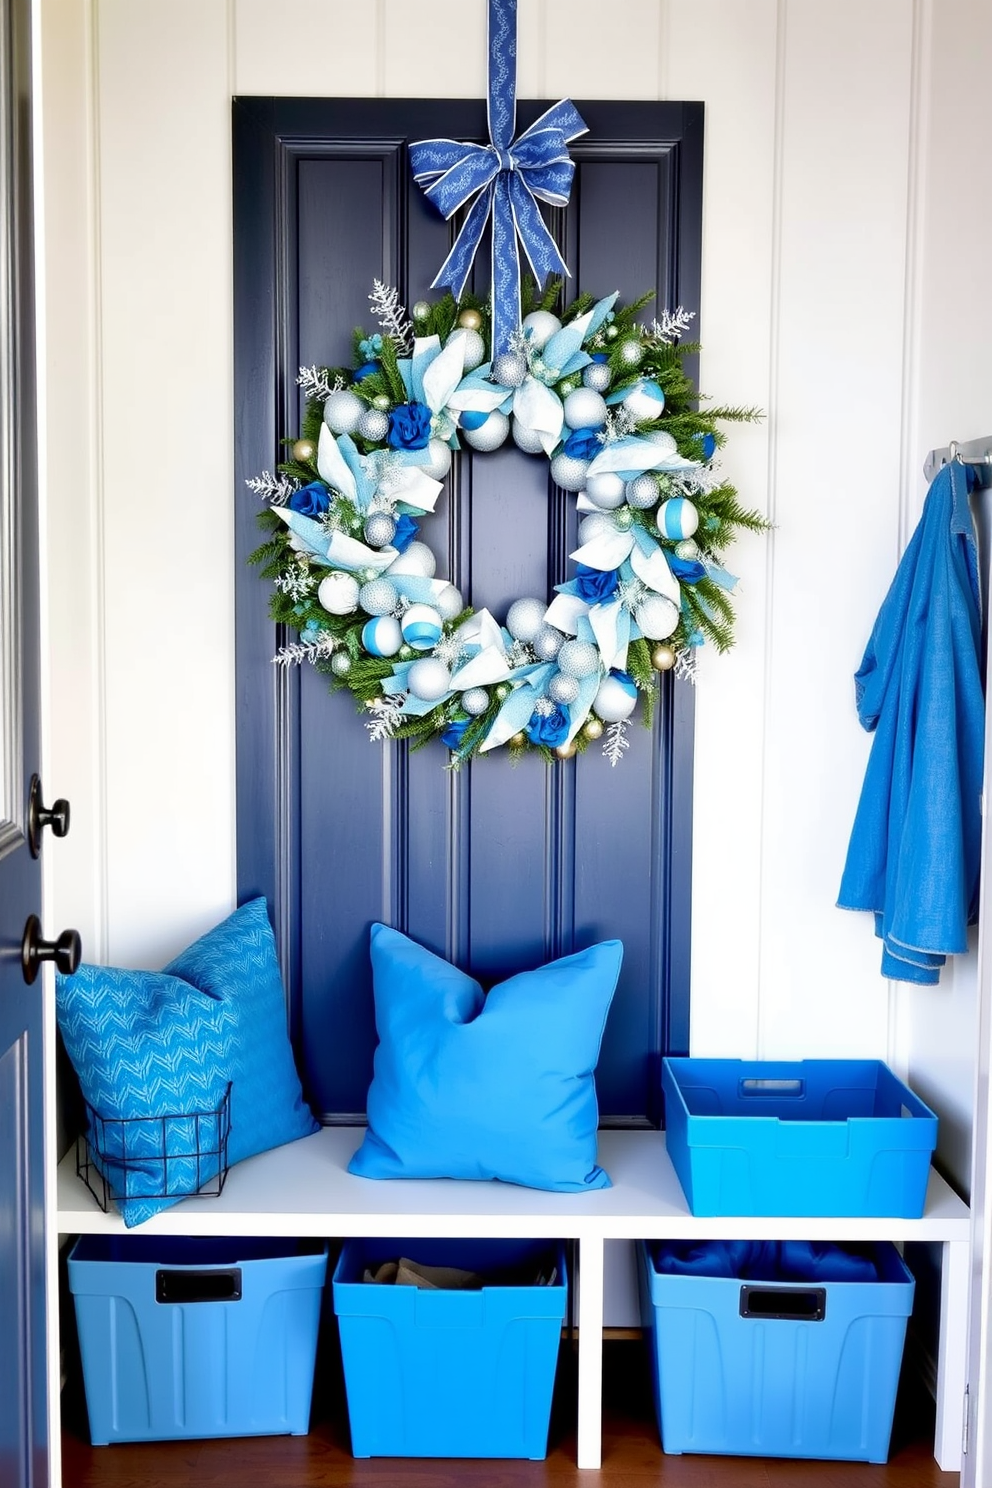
[(173, 1156)]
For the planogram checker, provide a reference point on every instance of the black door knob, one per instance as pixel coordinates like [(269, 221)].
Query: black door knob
[(41, 816), (65, 952)]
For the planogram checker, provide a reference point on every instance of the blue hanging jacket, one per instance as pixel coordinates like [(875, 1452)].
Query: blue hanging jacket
[(913, 859)]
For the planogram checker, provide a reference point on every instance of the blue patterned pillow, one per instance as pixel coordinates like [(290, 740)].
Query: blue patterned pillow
[(147, 1044), (469, 1085)]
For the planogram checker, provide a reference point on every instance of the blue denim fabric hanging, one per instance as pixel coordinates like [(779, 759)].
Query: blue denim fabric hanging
[(913, 859)]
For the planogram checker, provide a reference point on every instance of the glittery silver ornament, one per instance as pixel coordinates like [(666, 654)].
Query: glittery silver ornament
[(436, 460), (448, 602), (605, 490), (568, 472), (526, 439), (585, 409), (597, 376), (596, 524), (687, 550), (338, 593), (490, 435), (578, 659), (475, 347), (641, 492), (378, 597), (342, 410), (525, 617), (509, 369), (475, 701), (373, 426), (562, 689), (610, 333), (662, 439), (566, 387), (547, 643), (657, 616), (428, 679), (539, 326), (380, 401), (421, 310), (415, 559), (631, 353), (380, 529), (340, 663)]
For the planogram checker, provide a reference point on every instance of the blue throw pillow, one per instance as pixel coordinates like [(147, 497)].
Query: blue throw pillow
[(467, 1085), (152, 1044)]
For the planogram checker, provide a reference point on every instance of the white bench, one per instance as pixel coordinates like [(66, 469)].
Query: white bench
[(304, 1190)]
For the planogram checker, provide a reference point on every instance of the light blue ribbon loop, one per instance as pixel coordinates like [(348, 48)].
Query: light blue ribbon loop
[(507, 177)]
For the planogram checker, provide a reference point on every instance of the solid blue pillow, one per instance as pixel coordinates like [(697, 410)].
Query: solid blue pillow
[(467, 1085), (151, 1044)]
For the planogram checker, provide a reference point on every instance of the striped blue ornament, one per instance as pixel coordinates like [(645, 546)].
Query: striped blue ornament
[(421, 627), (677, 518), (382, 636)]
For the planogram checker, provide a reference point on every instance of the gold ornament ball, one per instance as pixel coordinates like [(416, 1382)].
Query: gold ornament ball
[(662, 658), (565, 751), (518, 741), (470, 320), (593, 729), (304, 450)]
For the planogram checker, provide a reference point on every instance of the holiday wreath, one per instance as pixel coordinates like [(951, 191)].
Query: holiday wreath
[(607, 400)]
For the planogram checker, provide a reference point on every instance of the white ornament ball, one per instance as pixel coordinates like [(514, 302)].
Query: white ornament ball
[(475, 701), (547, 643), (677, 518), (526, 439), (448, 602), (605, 490), (338, 593), (596, 524), (578, 659), (562, 689), (490, 435), (436, 461), (342, 410), (428, 679), (416, 560), (631, 353), (539, 326), (615, 700), (597, 376), (378, 597), (646, 400), (568, 472), (525, 617), (421, 627), (382, 636), (373, 426), (662, 439), (657, 616), (585, 409), (509, 369), (380, 529), (475, 347), (642, 491), (687, 550)]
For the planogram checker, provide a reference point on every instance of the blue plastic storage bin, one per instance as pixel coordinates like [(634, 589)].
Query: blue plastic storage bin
[(816, 1137), (192, 1338), (449, 1373), (758, 1371)]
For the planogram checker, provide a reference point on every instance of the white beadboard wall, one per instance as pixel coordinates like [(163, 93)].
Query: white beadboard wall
[(845, 291)]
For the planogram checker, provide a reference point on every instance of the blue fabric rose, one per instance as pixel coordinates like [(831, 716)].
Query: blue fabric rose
[(593, 584), (686, 570), (582, 444), (410, 426), (310, 501), (549, 728), (406, 531), (367, 369), (455, 732)]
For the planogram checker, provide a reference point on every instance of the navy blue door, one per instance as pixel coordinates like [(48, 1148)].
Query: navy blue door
[(497, 867)]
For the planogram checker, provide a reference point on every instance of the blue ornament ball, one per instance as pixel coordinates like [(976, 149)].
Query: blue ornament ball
[(578, 659), (646, 400), (382, 636), (677, 518), (421, 627), (378, 597), (428, 679), (475, 701), (525, 618)]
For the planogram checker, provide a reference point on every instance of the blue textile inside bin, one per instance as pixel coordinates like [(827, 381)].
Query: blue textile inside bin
[(764, 1260)]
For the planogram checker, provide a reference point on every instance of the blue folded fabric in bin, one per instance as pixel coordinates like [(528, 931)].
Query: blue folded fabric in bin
[(765, 1260)]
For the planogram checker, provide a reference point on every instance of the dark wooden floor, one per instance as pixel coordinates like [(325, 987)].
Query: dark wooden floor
[(632, 1456)]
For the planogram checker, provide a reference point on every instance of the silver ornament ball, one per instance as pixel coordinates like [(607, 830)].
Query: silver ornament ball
[(380, 401), (416, 560), (596, 524), (568, 472), (342, 410), (421, 310), (373, 425), (539, 326), (641, 492), (525, 618), (428, 679), (380, 529), (378, 597), (631, 353), (578, 659), (687, 549), (657, 617), (662, 439), (490, 435), (597, 376), (448, 602), (509, 369), (526, 439), (563, 690), (340, 663), (475, 347), (547, 643), (566, 387), (585, 409), (436, 461), (605, 490), (475, 701)]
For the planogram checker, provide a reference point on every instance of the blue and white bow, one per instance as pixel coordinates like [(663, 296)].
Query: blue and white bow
[(506, 177)]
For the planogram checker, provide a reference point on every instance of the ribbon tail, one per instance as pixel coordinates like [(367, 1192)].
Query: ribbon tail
[(540, 247), (453, 273)]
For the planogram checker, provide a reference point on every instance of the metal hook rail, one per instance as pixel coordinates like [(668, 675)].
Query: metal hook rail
[(976, 452)]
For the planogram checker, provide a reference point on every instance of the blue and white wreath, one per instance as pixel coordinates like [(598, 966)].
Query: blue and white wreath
[(606, 400)]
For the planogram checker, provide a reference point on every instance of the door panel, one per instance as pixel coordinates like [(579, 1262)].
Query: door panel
[(497, 867)]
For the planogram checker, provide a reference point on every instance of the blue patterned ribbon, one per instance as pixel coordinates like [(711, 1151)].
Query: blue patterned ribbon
[(506, 177)]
